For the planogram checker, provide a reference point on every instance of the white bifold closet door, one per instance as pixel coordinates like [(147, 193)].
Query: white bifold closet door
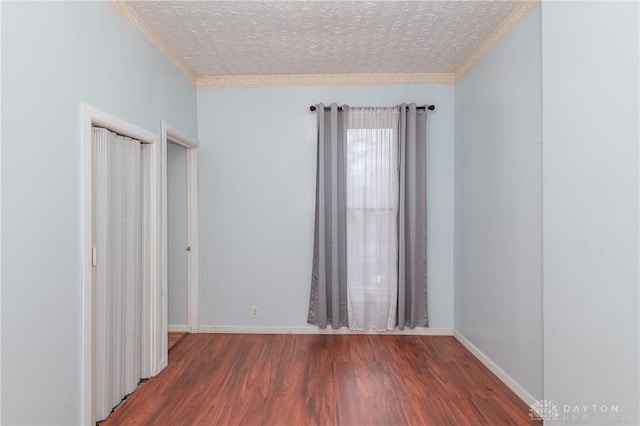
[(121, 235)]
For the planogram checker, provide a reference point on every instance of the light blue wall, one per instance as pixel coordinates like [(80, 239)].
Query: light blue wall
[(56, 55), (498, 217), (591, 251), (257, 195)]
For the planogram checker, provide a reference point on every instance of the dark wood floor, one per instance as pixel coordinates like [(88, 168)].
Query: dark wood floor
[(227, 379), (173, 337)]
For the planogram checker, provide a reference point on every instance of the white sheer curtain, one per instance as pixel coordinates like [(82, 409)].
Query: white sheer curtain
[(372, 211), (121, 170)]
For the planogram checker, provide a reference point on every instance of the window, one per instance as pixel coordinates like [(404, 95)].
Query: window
[(372, 212)]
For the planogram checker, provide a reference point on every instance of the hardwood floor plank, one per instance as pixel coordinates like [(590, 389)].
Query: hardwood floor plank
[(225, 379), (174, 337)]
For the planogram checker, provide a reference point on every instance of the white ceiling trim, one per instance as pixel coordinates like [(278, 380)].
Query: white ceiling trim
[(517, 15), (323, 80), (513, 19), (131, 17)]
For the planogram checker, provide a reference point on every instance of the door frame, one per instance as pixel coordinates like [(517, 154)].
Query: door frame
[(172, 134), (90, 117)]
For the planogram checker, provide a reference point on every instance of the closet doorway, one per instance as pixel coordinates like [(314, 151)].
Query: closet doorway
[(180, 232), (120, 260)]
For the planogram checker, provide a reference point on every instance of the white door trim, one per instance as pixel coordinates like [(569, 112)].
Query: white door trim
[(173, 135), (94, 117)]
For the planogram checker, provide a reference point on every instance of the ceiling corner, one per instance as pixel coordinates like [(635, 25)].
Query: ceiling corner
[(131, 17), (511, 21)]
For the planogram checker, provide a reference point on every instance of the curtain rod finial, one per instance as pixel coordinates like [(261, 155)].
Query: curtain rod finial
[(312, 108)]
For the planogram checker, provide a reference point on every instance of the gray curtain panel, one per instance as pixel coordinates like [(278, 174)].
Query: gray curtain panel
[(412, 218), (328, 299)]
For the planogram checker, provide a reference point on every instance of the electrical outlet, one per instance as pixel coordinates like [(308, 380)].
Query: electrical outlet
[(254, 311)]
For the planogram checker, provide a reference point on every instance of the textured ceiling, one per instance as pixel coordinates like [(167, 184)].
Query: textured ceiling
[(230, 38)]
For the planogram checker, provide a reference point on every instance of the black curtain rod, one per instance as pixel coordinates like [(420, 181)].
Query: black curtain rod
[(429, 107)]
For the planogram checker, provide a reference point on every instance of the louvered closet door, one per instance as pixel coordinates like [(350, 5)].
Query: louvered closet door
[(120, 271)]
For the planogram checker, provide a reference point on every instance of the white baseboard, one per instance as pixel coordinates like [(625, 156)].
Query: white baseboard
[(420, 331), (178, 328), (521, 392)]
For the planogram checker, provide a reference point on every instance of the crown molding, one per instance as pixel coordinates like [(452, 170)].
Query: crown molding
[(518, 14), (132, 18), (323, 80)]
